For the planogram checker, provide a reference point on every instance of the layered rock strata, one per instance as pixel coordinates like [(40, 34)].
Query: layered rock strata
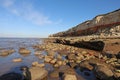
[(105, 25)]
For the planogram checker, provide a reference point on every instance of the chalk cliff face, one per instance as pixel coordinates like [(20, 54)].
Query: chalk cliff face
[(106, 24)]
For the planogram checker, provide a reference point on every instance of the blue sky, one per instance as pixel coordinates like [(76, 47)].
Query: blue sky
[(40, 18)]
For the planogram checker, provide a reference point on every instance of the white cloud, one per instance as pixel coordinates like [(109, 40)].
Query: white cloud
[(26, 11), (7, 3)]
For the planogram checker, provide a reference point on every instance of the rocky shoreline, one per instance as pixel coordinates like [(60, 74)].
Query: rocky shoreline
[(104, 65), (68, 62)]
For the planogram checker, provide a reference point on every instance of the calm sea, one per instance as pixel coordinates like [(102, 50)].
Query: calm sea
[(6, 64)]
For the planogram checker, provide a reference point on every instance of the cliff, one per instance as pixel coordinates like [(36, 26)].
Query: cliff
[(105, 24)]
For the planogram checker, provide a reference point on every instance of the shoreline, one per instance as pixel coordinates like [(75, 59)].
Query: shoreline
[(75, 62)]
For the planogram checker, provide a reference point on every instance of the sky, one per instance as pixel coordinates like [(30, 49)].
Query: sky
[(40, 18)]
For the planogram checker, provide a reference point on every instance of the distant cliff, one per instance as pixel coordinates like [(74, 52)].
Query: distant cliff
[(105, 24)]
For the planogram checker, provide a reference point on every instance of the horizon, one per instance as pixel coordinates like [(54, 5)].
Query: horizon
[(41, 18)]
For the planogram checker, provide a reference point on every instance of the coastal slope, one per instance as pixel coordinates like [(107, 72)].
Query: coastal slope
[(105, 24)]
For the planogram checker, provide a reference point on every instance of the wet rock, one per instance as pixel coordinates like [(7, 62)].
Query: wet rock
[(110, 55), (55, 75), (71, 56), (69, 77), (118, 55), (6, 52), (51, 53), (53, 61), (59, 57), (36, 64), (56, 65), (17, 60), (37, 53), (103, 72), (67, 73), (111, 60), (38, 73), (72, 65), (11, 76), (48, 59), (24, 51), (118, 61), (59, 63), (80, 57), (41, 56), (86, 65)]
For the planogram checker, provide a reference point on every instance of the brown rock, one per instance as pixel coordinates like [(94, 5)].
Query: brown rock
[(38, 73), (6, 52), (48, 59), (69, 77), (24, 51), (53, 61), (36, 64), (17, 60), (103, 72), (86, 65)]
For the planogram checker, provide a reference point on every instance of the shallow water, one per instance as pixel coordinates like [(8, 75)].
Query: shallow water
[(6, 64)]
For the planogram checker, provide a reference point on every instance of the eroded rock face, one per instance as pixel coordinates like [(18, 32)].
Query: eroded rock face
[(106, 24)]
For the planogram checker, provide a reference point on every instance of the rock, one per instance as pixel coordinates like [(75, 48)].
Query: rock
[(71, 57), (38, 73), (80, 57), (37, 53), (118, 55), (86, 65), (17, 60), (6, 52), (67, 70), (55, 74), (56, 65), (67, 73), (84, 52), (40, 65), (53, 61), (41, 56), (103, 72), (11, 76), (36, 64), (59, 57), (118, 61), (51, 53), (48, 59), (110, 55), (72, 65), (24, 51), (59, 63), (69, 77)]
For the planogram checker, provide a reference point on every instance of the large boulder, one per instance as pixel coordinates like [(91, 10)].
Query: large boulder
[(103, 72), (38, 73), (11, 76)]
